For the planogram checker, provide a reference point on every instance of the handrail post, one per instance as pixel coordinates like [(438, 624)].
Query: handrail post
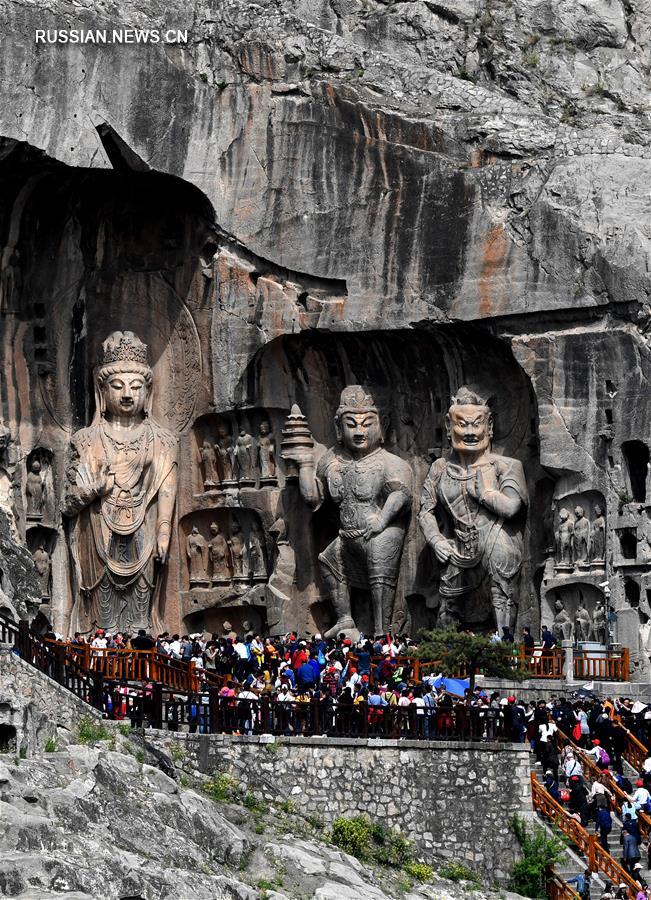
[(592, 840), (23, 639), (213, 709)]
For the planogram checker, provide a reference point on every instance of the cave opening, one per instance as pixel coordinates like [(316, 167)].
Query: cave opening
[(632, 592), (7, 738), (636, 461)]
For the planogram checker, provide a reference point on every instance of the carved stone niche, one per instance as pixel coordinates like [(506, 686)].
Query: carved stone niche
[(212, 454), (40, 500), (41, 542), (227, 560), (580, 534), (575, 611)]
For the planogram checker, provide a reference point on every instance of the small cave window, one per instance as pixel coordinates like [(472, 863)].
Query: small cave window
[(636, 459), (609, 416), (7, 738), (632, 592), (628, 542)]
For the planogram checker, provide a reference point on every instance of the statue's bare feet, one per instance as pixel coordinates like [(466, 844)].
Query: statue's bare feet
[(345, 625)]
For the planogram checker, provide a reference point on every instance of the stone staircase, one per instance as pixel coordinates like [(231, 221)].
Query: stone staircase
[(575, 862)]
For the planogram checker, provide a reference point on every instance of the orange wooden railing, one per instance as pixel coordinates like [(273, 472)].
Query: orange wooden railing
[(538, 664), (587, 844), (634, 750), (615, 666), (594, 773), (138, 665), (557, 889)]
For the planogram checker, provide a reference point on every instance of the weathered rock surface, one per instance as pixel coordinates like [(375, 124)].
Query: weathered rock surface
[(411, 195), (90, 821)]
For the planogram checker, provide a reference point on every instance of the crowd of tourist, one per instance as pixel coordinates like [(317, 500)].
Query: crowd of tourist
[(305, 686)]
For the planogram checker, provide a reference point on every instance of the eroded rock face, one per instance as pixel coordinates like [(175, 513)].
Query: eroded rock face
[(131, 830), (404, 195)]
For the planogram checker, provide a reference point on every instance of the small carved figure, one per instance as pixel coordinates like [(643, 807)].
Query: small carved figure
[(581, 539), (197, 554), (599, 623), (257, 554), (238, 552), (43, 566), (582, 622), (35, 491), (598, 543), (266, 455), (209, 465), (219, 554), (472, 511), (245, 456), (564, 538), (224, 449), (562, 627), (373, 490)]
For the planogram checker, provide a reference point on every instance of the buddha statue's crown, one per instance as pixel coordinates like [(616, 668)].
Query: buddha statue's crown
[(124, 346), (354, 399)]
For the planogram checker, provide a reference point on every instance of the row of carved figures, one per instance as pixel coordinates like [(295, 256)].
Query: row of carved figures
[(584, 627), (578, 540), (220, 560), (225, 464)]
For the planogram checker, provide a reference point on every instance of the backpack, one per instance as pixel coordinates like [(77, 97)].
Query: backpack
[(604, 757)]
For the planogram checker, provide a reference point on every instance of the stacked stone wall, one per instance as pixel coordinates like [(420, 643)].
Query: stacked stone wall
[(454, 800), (36, 706)]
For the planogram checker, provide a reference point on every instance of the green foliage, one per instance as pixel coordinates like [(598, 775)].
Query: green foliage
[(256, 806), (359, 837), (204, 77), (177, 753), (539, 851), (462, 652), (456, 871), (22, 753), (272, 748), (91, 731), (287, 806), (124, 729), (140, 756), (50, 745), (315, 821), (419, 871), (222, 788), (184, 781), (530, 58), (259, 827)]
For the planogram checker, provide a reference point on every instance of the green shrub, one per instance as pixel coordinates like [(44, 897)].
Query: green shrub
[(456, 871), (124, 729), (222, 788), (419, 871), (22, 753), (353, 836), (363, 839), (257, 806), (539, 851), (288, 806), (50, 745), (140, 756), (91, 731)]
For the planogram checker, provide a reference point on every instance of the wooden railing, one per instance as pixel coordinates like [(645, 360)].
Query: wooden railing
[(542, 664), (615, 666), (594, 773), (61, 666), (138, 665), (8, 630), (587, 844), (634, 750), (557, 889)]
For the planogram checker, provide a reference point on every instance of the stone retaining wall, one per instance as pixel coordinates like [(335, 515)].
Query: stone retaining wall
[(36, 706), (454, 800)]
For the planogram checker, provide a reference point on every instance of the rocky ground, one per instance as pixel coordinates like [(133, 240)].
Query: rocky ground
[(96, 819)]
